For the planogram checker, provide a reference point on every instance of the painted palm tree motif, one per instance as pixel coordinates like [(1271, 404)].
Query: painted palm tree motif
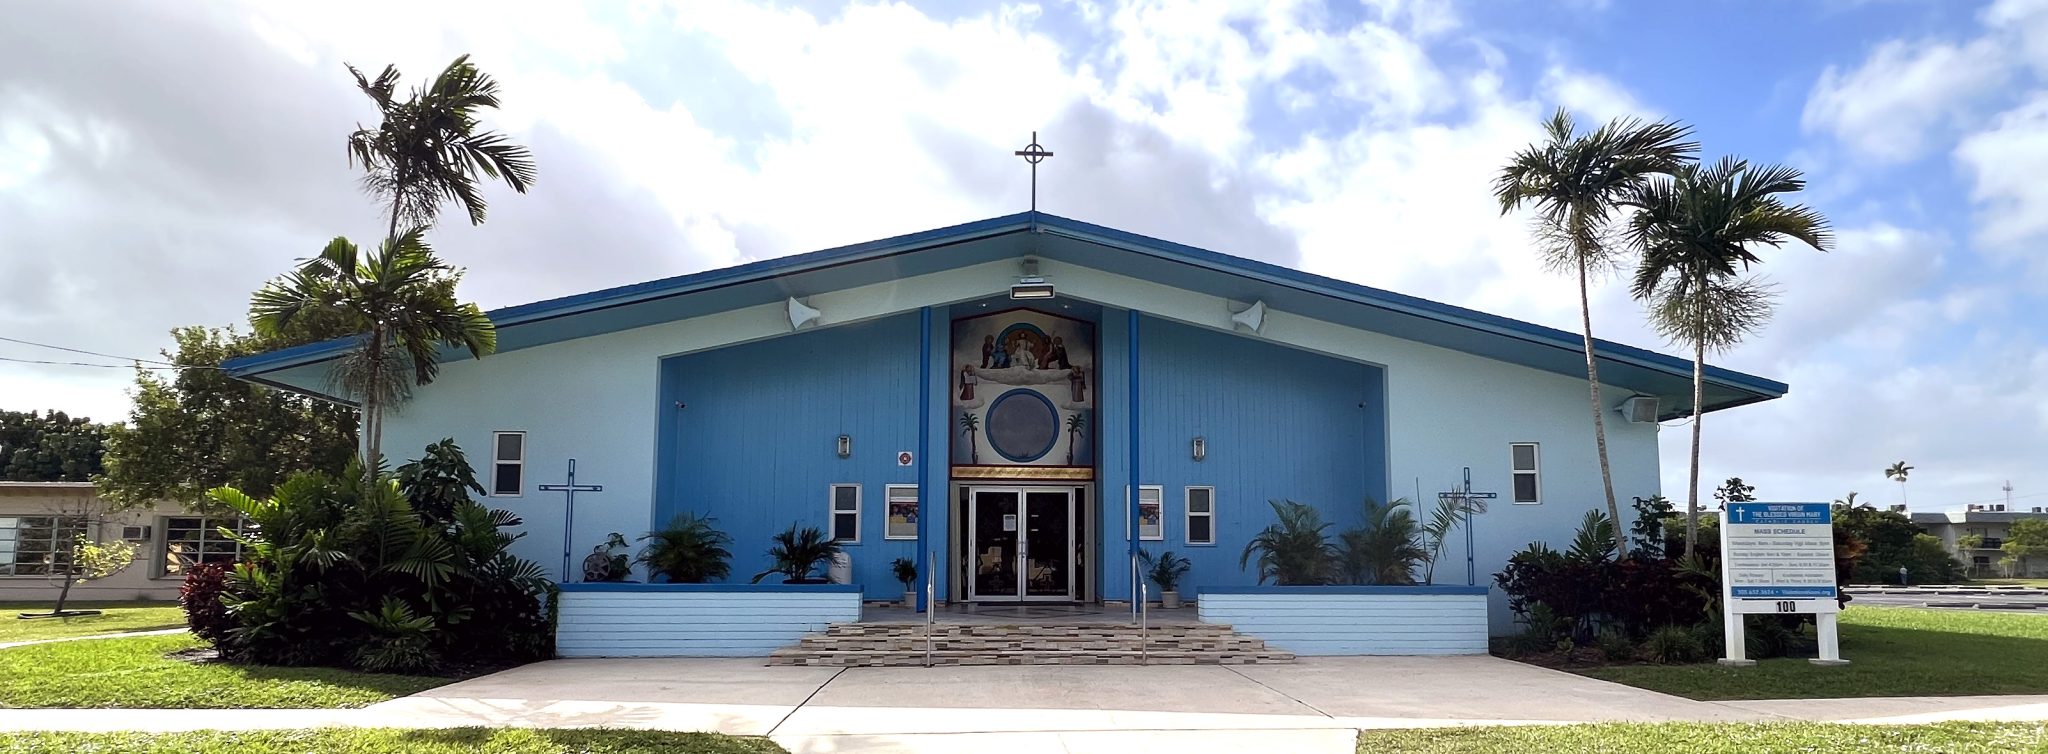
[(1075, 423), (971, 424)]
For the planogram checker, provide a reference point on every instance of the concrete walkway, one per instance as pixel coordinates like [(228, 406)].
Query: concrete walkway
[(1316, 705), (122, 635)]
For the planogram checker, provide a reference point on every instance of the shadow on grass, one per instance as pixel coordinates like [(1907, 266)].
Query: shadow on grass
[(1961, 658)]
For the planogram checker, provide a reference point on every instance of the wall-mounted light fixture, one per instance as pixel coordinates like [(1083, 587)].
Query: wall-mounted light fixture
[(1030, 285), (846, 446), (1201, 449)]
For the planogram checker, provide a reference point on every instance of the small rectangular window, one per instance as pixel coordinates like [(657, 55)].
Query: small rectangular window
[(508, 464), (1151, 516), (902, 512), (846, 513), (1201, 515), (1528, 476), (191, 540)]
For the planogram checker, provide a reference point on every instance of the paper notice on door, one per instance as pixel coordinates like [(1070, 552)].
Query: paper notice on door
[(1010, 522)]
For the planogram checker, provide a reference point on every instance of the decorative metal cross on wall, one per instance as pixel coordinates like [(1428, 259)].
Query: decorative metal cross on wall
[(1034, 154), (569, 510), (1469, 503)]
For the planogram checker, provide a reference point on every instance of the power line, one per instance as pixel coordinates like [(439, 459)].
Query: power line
[(173, 367), (83, 351)]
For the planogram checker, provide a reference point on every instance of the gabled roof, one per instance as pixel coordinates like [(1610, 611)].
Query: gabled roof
[(1075, 242)]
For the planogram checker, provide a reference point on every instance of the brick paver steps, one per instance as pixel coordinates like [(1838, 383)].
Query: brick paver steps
[(1079, 643)]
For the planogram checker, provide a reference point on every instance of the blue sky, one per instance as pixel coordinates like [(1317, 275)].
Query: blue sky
[(1348, 139)]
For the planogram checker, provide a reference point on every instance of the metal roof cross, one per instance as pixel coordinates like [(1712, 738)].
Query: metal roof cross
[(1034, 154)]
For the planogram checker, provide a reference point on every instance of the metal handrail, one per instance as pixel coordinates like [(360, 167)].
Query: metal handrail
[(1144, 623), (931, 603)]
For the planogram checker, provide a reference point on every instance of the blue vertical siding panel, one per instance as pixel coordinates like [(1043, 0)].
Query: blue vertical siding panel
[(1280, 424), (756, 445), (1113, 463)]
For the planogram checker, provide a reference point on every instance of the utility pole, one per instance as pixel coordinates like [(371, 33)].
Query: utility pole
[(2008, 494)]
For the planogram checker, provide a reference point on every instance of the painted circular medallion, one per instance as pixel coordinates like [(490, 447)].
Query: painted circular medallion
[(1022, 425)]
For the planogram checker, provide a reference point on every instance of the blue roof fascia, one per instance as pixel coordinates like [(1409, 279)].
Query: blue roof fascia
[(1041, 222), (1401, 302), (668, 287)]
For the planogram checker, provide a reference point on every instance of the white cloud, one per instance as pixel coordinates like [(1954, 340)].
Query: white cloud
[(1886, 108), (2006, 162)]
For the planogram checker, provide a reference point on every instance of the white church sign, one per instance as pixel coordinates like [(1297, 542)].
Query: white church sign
[(1778, 558)]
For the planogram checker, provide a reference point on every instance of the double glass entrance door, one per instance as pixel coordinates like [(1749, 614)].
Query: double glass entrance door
[(1023, 544)]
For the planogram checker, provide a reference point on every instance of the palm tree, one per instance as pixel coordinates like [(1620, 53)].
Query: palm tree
[(402, 301), (1897, 473), (428, 150), (1575, 183), (971, 424), (1696, 230)]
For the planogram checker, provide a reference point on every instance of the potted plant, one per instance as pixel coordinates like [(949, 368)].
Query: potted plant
[(798, 552), (906, 572), (688, 551), (1167, 570)]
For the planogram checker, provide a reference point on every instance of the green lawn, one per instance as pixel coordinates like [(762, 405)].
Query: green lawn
[(1892, 652), (386, 741), (2037, 583), (1713, 738), (117, 617), (133, 673)]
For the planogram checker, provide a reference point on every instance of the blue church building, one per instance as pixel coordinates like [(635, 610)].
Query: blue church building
[(1019, 404)]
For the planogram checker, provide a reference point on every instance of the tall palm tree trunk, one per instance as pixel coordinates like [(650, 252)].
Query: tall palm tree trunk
[(1699, 361), (373, 405), (1599, 414)]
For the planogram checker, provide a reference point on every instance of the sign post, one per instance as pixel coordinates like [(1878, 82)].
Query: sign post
[(1778, 559)]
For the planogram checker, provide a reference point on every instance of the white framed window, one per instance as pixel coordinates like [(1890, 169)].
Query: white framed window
[(32, 545), (191, 540), (1526, 460), (1151, 512), (902, 512), (508, 464), (845, 500), (1201, 514)]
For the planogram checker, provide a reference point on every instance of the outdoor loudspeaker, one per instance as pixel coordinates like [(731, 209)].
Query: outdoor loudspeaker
[(1253, 318), (801, 314), (1641, 409)]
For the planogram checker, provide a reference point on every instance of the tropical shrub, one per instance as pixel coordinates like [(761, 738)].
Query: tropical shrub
[(435, 580), (1386, 549), (202, 596), (1589, 591), (1614, 645), (1166, 570), (1294, 550), (1674, 645), (690, 550), (796, 553)]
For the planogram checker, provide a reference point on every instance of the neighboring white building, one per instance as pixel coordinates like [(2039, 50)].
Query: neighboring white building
[(1990, 521), (38, 519)]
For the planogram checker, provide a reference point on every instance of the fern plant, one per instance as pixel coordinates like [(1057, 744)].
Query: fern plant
[(1294, 550), (690, 550), (399, 640)]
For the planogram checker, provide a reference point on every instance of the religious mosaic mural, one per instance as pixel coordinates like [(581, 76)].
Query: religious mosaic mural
[(1024, 395)]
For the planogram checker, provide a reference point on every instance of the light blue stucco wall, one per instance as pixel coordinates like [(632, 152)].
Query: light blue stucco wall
[(602, 401)]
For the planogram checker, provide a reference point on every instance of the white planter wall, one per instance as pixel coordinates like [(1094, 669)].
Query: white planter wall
[(696, 620), (1355, 620)]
